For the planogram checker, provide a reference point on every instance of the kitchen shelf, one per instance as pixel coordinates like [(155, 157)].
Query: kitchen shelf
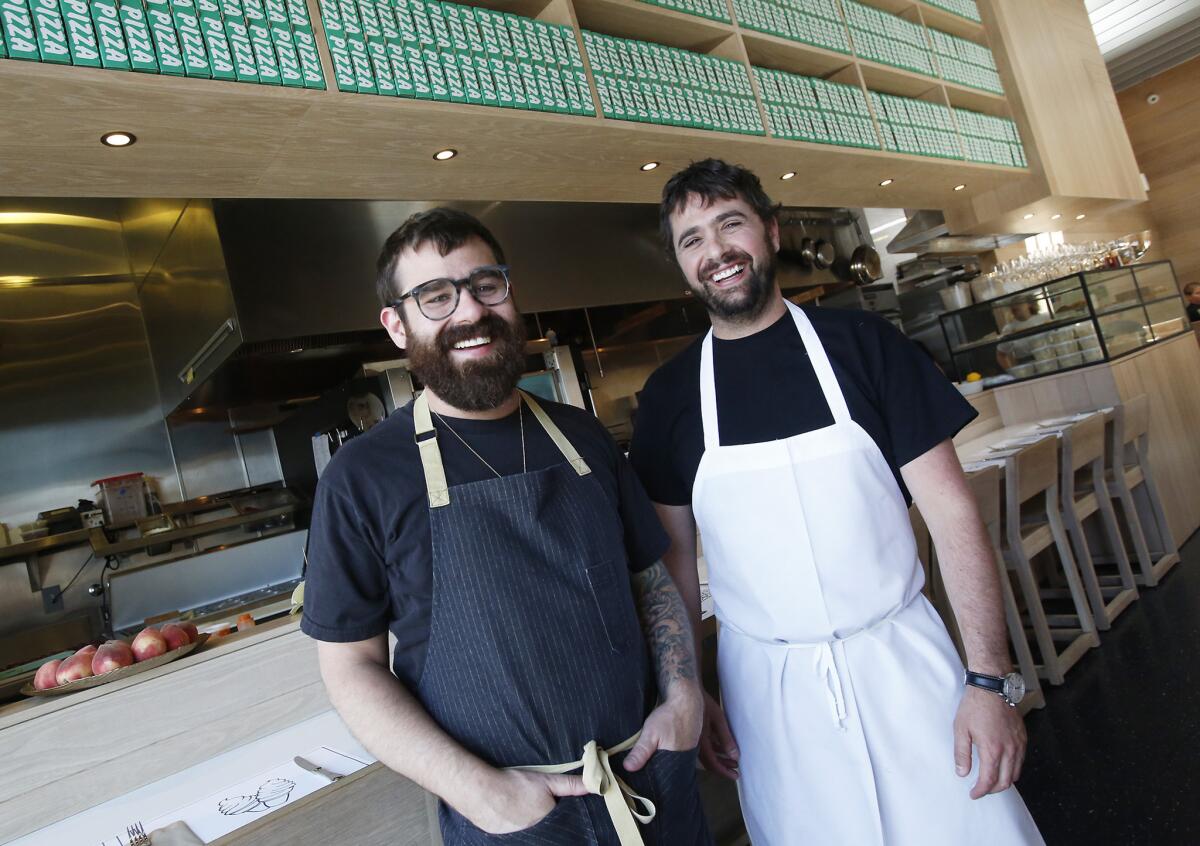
[(783, 54), (902, 83), (646, 22), (977, 100)]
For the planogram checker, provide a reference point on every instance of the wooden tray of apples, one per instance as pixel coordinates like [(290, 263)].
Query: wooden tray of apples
[(113, 660)]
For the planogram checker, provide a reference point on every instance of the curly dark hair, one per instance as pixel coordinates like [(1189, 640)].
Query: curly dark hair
[(711, 179), (448, 228)]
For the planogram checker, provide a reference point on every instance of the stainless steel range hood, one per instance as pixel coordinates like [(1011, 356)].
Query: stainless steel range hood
[(927, 232)]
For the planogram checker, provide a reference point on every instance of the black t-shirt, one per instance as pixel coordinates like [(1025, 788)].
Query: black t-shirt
[(767, 390), (1193, 312), (370, 565)]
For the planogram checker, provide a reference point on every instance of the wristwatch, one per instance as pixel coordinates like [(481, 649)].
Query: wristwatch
[(1010, 688)]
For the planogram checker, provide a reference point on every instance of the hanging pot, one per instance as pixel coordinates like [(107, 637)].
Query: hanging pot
[(823, 254), (864, 265)]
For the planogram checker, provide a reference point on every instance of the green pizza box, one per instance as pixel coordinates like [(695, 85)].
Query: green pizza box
[(546, 89), (503, 36), (454, 79), (310, 58), (19, 32), (3, 44), (437, 21), (265, 59), (245, 67), (187, 28), (360, 59), (487, 82), (381, 66), (418, 72), (401, 69), (51, 32), (576, 99), (558, 46), (558, 88), (404, 21), (607, 108), (291, 73), (456, 23), (81, 34), (516, 38), (474, 35), (529, 35), (470, 78), (421, 23), (138, 40), (216, 40), (504, 94), (533, 97), (487, 31), (166, 43), (275, 11), (517, 82), (298, 14), (437, 76)]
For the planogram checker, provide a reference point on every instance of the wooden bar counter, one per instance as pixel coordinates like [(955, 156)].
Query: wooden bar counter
[(1167, 372)]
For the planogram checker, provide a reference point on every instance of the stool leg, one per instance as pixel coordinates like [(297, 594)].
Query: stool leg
[(1170, 552), (1019, 562), (1087, 568), (1087, 637), (1112, 531), (1121, 493), (1016, 633)]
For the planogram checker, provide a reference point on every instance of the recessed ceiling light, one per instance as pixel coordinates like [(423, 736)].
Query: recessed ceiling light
[(885, 183), (443, 155), (1027, 216), (649, 166), (118, 139), (788, 175), (1055, 216), (1080, 216), (959, 187)]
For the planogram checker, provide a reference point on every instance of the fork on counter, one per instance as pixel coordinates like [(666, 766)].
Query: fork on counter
[(137, 835)]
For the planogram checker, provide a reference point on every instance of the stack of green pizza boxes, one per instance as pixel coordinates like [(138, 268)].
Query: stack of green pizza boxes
[(816, 22), (306, 45), (888, 39), (339, 48), (805, 108), (651, 83), (916, 126), (963, 8), (990, 139), (714, 10), (965, 62)]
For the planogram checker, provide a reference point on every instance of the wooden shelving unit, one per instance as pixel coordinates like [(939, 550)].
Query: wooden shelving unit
[(206, 138)]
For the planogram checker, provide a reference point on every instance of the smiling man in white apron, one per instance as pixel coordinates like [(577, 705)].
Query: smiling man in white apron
[(507, 547), (791, 437)]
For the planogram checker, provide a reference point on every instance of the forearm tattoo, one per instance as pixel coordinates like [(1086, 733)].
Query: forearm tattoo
[(665, 624)]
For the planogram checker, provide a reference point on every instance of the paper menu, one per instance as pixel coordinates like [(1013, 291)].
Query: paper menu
[(239, 804)]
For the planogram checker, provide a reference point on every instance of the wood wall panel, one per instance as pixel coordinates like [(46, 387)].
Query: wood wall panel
[(1166, 141)]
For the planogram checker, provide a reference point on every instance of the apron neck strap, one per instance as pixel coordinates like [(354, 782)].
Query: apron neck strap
[(834, 397), (816, 354), (431, 457)]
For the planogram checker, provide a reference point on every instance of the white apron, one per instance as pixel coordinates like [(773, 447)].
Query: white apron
[(838, 678)]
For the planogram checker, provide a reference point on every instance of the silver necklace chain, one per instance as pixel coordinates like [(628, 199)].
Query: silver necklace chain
[(521, 423)]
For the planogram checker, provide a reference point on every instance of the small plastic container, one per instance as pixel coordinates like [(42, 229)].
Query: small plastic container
[(123, 498)]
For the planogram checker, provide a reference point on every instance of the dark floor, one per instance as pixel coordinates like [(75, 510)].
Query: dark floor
[(1114, 757)]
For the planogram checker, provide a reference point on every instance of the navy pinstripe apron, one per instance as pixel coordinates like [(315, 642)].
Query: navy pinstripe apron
[(535, 649)]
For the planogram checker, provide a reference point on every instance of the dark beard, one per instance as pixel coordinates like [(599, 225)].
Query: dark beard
[(475, 385), (746, 305)]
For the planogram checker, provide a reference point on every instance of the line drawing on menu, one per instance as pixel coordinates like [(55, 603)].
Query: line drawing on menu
[(271, 794), (344, 755)]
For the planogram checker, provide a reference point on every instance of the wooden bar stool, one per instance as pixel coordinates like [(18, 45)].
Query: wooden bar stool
[(1131, 484), (1084, 494), (1033, 524), (985, 485)]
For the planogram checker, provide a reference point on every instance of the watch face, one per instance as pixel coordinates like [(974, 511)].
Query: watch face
[(1014, 688)]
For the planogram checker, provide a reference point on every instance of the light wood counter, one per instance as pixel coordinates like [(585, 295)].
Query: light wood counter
[(1167, 372)]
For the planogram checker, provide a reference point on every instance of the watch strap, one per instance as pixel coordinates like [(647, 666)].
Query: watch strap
[(992, 683)]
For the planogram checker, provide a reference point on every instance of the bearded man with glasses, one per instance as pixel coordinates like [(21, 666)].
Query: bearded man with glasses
[(507, 546)]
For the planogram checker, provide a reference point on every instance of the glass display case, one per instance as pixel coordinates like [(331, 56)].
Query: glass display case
[(1082, 319)]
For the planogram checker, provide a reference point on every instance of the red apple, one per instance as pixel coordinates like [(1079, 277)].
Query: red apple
[(149, 643), (45, 677), (113, 655), (78, 666), (175, 636), (191, 630)]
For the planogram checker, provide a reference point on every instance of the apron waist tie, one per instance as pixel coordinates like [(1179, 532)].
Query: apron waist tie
[(600, 780), (825, 663)]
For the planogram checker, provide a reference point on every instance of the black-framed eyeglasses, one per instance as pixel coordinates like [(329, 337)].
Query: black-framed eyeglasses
[(438, 298)]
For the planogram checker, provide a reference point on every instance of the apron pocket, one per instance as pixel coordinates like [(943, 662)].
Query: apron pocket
[(561, 825), (613, 602), (679, 820)]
